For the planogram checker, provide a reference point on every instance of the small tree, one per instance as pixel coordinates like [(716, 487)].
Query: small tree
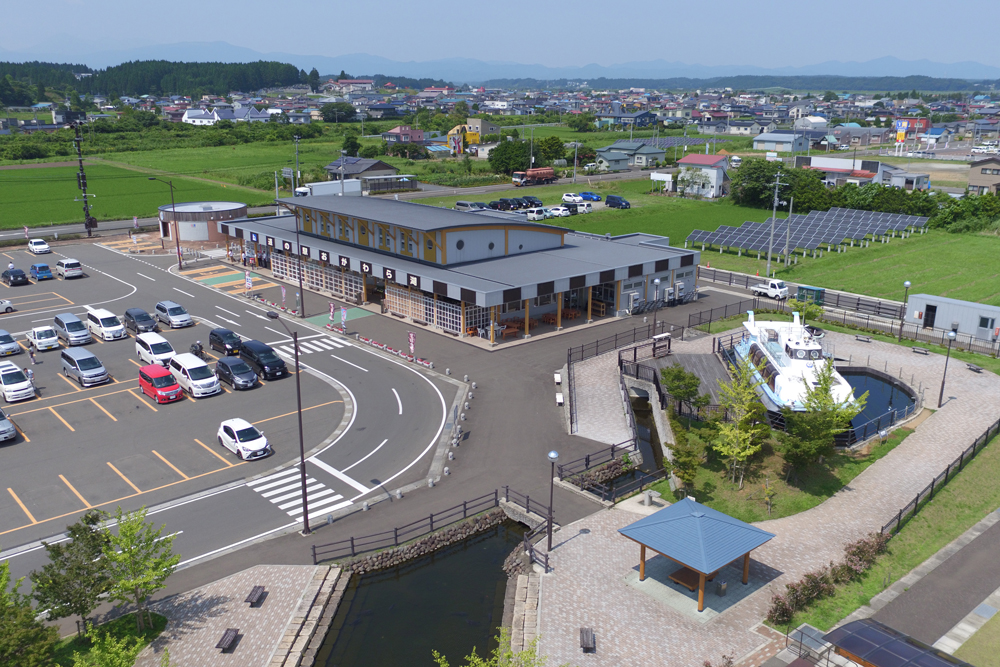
[(683, 386), (809, 310), (75, 577), (107, 650), (139, 560), (351, 145), (24, 641), (503, 655), (743, 435)]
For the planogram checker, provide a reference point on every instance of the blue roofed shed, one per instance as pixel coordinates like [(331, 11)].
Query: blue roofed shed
[(700, 538)]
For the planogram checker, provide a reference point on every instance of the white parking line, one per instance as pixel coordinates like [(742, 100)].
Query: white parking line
[(398, 401), (184, 293), (349, 363), (144, 276), (339, 475), (227, 311), (365, 456)]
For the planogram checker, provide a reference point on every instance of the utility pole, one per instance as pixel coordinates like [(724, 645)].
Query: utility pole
[(89, 223), (576, 148), (295, 176), (788, 227), (774, 215)]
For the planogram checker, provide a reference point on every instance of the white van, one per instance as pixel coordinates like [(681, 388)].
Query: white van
[(193, 375), (105, 324), (14, 384), (585, 207), (535, 213), (153, 348), (735, 161)]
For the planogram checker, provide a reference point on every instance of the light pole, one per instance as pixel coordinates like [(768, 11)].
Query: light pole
[(295, 179), (774, 215), (343, 156), (951, 339), (177, 230), (553, 457), (298, 396), (902, 318), (656, 301)]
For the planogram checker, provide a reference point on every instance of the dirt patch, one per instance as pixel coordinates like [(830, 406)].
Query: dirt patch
[(45, 165)]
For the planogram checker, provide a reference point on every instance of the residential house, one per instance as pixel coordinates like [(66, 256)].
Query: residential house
[(898, 177), (703, 175), (611, 161), (482, 127), (935, 136), (863, 136), (782, 143), (299, 118), (984, 176), (62, 117), (811, 123), (382, 110), (639, 154), (403, 134), (358, 167)]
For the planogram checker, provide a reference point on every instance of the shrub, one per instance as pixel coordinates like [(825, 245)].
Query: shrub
[(780, 611)]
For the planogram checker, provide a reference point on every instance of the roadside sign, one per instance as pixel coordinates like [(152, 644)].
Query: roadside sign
[(332, 308), (135, 222), (772, 156), (902, 125), (413, 340), (25, 231), (287, 172), (343, 316), (900, 137), (282, 295), (249, 281)]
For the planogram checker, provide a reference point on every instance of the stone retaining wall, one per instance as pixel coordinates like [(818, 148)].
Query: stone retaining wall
[(309, 623)]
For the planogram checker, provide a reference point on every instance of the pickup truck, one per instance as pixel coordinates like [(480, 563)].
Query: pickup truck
[(776, 289), (43, 338)]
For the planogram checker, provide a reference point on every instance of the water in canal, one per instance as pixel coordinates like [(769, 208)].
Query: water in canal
[(883, 396), (451, 601)]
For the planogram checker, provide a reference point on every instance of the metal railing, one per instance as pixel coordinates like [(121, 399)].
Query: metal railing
[(911, 508), (574, 423), (536, 555), (722, 312), (525, 502), (353, 546), (585, 463), (621, 339), (916, 332), (612, 492)]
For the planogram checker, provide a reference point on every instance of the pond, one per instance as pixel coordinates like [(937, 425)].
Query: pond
[(449, 601), (884, 395)]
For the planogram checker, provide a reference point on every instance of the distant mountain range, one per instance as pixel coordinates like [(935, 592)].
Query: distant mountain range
[(469, 70)]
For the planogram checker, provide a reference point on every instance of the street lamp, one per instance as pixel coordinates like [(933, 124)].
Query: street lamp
[(902, 319), (298, 397), (177, 229), (951, 339), (656, 301), (553, 457)]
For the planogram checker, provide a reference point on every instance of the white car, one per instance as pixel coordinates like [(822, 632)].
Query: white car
[(43, 338), (244, 439), (560, 212), (14, 384), (572, 198), (152, 348), (38, 246), (6, 306), (7, 430)]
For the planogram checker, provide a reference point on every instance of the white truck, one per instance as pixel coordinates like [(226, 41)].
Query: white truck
[(43, 338), (776, 289)]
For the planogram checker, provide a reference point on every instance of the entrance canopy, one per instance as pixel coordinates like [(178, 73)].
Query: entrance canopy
[(701, 539)]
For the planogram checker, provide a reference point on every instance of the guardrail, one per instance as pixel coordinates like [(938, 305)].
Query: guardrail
[(585, 463), (614, 492), (524, 501), (911, 508), (621, 339), (536, 555), (722, 312)]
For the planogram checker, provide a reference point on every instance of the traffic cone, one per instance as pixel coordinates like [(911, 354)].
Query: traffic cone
[(709, 265), (758, 273)]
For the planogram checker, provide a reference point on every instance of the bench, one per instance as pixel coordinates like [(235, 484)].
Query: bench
[(588, 642), (863, 339), (228, 639), (256, 593), (920, 350), (974, 368), (507, 333)]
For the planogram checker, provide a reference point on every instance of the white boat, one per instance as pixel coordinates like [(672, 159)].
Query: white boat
[(790, 357)]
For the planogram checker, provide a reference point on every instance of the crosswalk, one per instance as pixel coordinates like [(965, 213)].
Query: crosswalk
[(284, 491), (323, 344)]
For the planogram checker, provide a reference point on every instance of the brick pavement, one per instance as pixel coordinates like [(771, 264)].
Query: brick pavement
[(587, 586), (198, 618)]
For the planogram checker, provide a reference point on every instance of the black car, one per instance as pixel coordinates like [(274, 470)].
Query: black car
[(236, 373), (511, 204), (14, 277), (614, 201), (138, 321), (262, 359), (495, 205), (523, 203), (534, 201), (225, 341)]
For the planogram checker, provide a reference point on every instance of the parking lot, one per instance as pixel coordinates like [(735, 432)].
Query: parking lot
[(100, 446)]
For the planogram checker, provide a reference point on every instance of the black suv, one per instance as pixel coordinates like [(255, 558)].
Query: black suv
[(512, 204), (262, 359), (523, 202), (138, 321), (614, 201), (499, 206), (534, 201), (225, 341), (14, 277)]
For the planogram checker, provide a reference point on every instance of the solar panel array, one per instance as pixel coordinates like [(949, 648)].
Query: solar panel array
[(670, 142), (808, 232)]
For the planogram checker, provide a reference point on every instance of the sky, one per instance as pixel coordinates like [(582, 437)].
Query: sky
[(553, 32)]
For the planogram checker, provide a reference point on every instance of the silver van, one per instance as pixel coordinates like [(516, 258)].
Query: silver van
[(194, 375), (84, 367), (468, 206), (105, 324), (69, 268), (70, 328), (172, 314)]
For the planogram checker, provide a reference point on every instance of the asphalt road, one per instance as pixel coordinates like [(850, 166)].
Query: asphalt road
[(370, 423), (581, 179)]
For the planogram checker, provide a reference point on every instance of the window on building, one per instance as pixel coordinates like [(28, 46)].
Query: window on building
[(430, 244), (986, 322)]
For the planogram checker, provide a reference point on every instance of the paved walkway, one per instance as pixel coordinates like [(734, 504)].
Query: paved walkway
[(588, 588), (198, 618)]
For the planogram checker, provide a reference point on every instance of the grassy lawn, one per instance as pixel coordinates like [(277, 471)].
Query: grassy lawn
[(44, 196), (808, 489), (964, 501), (119, 628), (983, 648), (959, 266)]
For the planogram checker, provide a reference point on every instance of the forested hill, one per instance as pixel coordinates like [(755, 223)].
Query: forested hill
[(748, 82), (156, 77)]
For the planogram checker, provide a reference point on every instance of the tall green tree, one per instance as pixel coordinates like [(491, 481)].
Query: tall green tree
[(744, 433), (24, 641), (75, 577), (509, 156), (313, 79), (683, 385), (139, 560), (334, 112), (583, 122), (351, 145), (551, 148)]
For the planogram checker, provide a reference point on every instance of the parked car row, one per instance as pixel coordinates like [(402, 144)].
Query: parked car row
[(65, 268)]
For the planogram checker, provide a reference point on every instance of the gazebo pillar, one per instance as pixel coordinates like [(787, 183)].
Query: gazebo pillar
[(746, 567), (642, 562), (701, 591)]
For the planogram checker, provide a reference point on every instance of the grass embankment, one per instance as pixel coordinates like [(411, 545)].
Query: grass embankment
[(120, 628), (805, 490), (991, 364), (983, 648), (46, 196), (965, 500)]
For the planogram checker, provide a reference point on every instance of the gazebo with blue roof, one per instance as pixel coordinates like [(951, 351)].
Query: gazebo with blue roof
[(699, 538)]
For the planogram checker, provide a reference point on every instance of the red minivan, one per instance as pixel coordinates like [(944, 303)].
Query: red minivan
[(159, 384)]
